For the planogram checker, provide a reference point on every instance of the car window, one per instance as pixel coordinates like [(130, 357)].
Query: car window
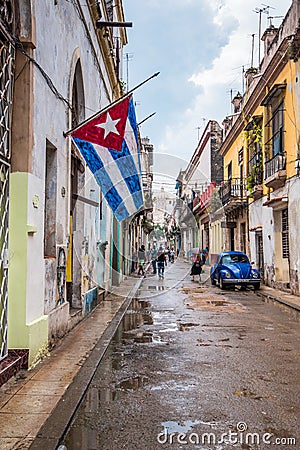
[(226, 259), (231, 259)]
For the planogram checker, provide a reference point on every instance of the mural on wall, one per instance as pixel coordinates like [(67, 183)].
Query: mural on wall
[(61, 275)]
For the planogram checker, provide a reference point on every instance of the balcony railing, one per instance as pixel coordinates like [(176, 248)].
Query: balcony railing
[(274, 165), (202, 200), (234, 188), (255, 167)]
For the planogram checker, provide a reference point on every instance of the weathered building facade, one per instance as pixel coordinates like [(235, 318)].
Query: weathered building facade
[(195, 182), (261, 151), (60, 245)]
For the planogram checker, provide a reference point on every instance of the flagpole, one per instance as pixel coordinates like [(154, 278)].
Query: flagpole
[(103, 110), (148, 117)]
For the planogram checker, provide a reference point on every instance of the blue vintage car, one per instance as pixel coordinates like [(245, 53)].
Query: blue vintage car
[(233, 268)]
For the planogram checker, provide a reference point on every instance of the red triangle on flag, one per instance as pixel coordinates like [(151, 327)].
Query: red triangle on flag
[(107, 129)]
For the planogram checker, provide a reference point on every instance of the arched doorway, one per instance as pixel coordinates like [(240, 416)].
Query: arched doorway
[(74, 275)]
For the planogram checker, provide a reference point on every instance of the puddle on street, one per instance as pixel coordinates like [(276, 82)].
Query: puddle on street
[(157, 288), (151, 291), (247, 393), (105, 386), (218, 302), (174, 427), (143, 337), (132, 384), (211, 303), (187, 326)]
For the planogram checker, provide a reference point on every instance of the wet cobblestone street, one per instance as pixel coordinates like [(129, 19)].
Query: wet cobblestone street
[(191, 367)]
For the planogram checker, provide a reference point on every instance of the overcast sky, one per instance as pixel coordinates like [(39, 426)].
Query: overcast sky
[(199, 47)]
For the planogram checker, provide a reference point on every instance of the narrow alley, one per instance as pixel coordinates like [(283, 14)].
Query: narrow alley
[(141, 143), (193, 367)]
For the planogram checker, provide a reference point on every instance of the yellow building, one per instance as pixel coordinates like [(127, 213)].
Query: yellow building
[(262, 159)]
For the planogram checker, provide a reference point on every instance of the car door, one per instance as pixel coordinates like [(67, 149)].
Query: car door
[(217, 268)]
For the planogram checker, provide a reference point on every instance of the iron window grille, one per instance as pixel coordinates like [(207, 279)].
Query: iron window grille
[(285, 233)]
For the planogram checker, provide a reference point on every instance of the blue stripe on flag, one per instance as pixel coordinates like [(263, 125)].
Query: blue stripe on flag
[(126, 163), (96, 166), (89, 154), (129, 171), (132, 119), (113, 198)]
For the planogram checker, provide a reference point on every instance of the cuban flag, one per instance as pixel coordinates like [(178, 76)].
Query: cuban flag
[(109, 145)]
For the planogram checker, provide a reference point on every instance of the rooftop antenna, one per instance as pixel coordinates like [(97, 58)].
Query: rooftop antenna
[(199, 128), (273, 17), (243, 80), (231, 91), (252, 50), (243, 77), (128, 57), (264, 10)]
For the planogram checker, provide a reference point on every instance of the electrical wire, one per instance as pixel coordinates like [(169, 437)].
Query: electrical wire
[(19, 46)]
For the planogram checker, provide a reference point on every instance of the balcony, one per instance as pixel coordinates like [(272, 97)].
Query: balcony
[(202, 201), (275, 171), (233, 193), (255, 176)]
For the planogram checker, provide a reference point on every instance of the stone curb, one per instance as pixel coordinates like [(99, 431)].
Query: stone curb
[(274, 298), (53, 429)]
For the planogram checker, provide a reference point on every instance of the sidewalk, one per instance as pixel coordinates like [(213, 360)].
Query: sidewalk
[(275, 295), (37, 405), (284, 298), (28, 401)]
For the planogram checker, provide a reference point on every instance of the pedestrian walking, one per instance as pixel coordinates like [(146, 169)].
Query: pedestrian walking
[(196, 268), (141, 258), (204, 255), (153, 259), (172, 255), (134, 261), (161, 260)]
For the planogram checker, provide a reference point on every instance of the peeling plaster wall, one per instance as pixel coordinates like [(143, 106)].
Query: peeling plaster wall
[(268, 244), (35, 250), (255, 220), (51, 118), (294, 235), (279, 272)]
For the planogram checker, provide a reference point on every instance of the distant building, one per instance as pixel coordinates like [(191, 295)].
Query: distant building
[(196, 183)]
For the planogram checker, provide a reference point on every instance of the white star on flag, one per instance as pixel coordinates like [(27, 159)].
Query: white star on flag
[(109, 126), (113, 156)]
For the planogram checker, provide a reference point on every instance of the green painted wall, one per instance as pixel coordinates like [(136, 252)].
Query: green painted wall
[(33, 336)]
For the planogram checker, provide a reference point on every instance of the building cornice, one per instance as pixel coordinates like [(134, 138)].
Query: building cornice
[(257, 93)]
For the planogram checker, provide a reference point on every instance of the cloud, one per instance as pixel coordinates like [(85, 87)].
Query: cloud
[(218, 83), (199, 46)]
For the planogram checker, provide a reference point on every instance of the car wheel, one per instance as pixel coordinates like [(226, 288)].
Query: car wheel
[(221, 283), (256, 286), (213, 281)]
